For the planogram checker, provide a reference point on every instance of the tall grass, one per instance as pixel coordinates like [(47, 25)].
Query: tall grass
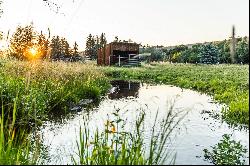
[(29, 91), (15, 147), (44, 87), (117, 146)]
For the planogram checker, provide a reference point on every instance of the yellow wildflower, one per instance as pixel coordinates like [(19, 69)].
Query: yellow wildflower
[(113, 129)]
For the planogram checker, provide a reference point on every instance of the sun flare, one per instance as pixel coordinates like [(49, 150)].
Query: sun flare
[(33, 51)]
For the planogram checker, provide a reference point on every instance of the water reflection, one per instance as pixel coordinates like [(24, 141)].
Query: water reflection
[(198, 129), (124, 89), (61, 116)]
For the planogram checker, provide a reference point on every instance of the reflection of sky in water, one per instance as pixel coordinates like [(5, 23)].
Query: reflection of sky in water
[(196, 132)]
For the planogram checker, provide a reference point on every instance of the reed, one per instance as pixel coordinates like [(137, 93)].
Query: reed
[(15, 147), (117, 146)]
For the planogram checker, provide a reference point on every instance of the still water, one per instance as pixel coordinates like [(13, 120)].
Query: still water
[(200, 128)]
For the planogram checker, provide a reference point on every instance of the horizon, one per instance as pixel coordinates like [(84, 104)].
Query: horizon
[(198, 22)]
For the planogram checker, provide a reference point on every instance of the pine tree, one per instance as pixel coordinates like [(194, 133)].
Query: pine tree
[(43, 45), (103, 40), (103, 43), (55, 47), (90, 44), (75, 49), (64, 47), (209, 54)]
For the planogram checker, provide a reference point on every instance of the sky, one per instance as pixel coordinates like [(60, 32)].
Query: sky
[(153, 22)]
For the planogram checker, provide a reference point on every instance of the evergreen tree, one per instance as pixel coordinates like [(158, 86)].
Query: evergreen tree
[(103, 40), (55, 47), (64, 47), (209, 54), (75, 49), (90, 46), (97, 42), (43, 45)]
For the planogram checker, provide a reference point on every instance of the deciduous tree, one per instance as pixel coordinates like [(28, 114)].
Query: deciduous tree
[(21, 40)]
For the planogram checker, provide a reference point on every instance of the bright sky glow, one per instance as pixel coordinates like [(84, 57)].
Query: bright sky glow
[(162, 22), (33, 51)]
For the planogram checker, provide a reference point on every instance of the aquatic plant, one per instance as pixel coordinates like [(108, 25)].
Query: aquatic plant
[(226, 152), (116, 145)]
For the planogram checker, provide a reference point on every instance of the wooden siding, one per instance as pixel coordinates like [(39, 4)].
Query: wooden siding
[(103, 54)]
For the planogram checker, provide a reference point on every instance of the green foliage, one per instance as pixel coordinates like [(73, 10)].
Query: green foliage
[(226, 152), (171, 52), (177, 57), (44, 87), (90, 47), (242, 51), (93, 43), (209, 54), (117, 146), (228, 84), (156, 54), (59, 48), (15, 147), (224, 51)]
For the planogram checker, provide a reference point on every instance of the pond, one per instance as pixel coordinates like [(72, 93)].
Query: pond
[(200, 128)]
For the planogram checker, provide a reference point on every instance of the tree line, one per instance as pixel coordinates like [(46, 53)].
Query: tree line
[(25, 38), (54, 48), (208, 53), (58, 48), (93, 43)]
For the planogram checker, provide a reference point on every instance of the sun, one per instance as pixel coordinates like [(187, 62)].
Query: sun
[(33, 51)]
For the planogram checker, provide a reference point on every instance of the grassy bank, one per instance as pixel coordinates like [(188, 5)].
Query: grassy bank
[(226, 83), (42, 87), (30, 91)]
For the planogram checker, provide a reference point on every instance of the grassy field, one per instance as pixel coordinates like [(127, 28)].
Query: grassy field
[(45, 86), (228, 84), (30, 91), (41, 87)]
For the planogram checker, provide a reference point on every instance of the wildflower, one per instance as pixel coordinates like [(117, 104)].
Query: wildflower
[(113, 129)]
